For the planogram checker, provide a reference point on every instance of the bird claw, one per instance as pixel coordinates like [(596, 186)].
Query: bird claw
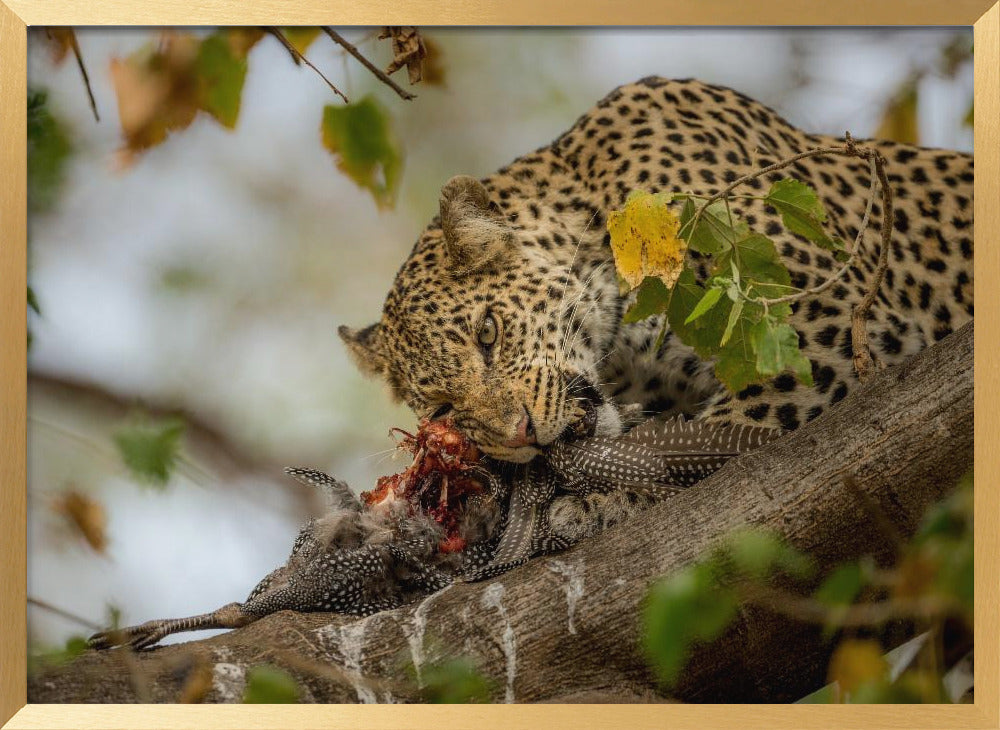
[(138, 637)]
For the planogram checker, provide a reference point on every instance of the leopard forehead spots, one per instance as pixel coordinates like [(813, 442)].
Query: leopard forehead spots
[(526, 247)]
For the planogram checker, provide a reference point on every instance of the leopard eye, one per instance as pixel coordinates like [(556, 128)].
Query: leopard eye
[(488, 332)]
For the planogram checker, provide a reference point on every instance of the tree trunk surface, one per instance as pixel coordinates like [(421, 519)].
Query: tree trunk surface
[(566, 627)]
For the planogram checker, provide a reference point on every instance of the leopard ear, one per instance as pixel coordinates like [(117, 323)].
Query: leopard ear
[(364, 348), (475, 232)]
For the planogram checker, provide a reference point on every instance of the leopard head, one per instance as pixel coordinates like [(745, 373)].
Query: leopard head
[(487, 323)]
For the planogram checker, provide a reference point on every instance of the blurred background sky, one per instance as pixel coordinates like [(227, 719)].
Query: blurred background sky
[(208, 277)]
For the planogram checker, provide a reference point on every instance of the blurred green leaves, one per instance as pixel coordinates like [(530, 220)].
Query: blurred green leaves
[(267, 685), (360, 137), (150, 450), (49, 149), (688, 607), (220, 72), (40, 658), (931, 580), (454, 681), (842, 586), (699, 602)]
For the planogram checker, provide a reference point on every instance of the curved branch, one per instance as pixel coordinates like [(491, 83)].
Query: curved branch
[(568, 624)]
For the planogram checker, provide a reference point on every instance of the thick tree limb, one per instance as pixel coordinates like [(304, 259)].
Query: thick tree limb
[(567, 625)]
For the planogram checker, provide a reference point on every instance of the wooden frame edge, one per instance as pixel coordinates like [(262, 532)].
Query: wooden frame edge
[(13, 217), (511, 12), (13, 358)]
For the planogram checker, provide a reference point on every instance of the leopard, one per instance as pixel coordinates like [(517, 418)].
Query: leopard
[(507, 316)]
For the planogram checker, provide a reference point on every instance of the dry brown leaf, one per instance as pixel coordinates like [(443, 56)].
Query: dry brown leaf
[(62, 42), (408, 49), (433, 70), (86, 515), (242, 39), (157, 92)]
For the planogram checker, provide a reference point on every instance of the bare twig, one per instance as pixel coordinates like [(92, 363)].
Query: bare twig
[(810, 610), (863, 362), (299, 58), (83, 69), (64, 613), (379, 74)]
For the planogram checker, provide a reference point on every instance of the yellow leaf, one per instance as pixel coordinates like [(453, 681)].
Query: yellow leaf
[(644, 240), (856, 662), (301, 37), (899, 120)]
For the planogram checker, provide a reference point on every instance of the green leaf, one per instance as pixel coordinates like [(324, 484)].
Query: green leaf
[(40, 658), (777, 348), (220, 73), (686, 607), (301, 36), (757, 260), (735, 363), (651, 299), (969, 119), (708, 301), (842, 586), (758, 553), (801, 212), (734, 316), (33, 301), (267, 685), (49, 149), (150, 451), (360, 137), (713, 233), (454, 681)]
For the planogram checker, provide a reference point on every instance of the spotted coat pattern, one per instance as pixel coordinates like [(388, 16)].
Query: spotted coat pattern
[(542, 269)]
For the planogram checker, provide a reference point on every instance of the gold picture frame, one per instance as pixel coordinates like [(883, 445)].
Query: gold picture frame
[(16, 15)]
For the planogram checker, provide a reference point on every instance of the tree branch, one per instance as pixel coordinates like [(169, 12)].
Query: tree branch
[(299, 58), (341, 41), (568, 624)]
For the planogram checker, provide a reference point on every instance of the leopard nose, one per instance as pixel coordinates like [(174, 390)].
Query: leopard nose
[(525, 432)]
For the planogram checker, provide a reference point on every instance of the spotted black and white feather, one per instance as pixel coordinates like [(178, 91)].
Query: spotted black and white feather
[(657, 455), (337, 492)]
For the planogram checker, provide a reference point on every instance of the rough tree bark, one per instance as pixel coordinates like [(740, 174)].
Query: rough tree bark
[(566, 627)]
